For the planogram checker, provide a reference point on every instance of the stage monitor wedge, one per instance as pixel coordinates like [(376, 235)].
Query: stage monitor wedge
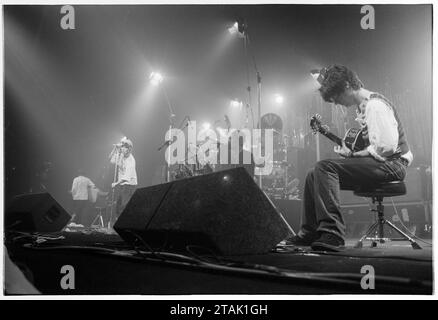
[(35, 212), (225, 212)]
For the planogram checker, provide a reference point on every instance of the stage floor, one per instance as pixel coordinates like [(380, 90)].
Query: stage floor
[(105, 264)]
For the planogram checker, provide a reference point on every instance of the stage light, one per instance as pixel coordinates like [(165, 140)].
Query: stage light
[(222, 132), (234, 28), (156, 78), (206, 125), (238, 27), (236, 103), (279, 99)]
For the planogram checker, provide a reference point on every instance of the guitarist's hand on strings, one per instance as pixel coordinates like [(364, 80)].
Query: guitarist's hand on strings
[(343, 151)]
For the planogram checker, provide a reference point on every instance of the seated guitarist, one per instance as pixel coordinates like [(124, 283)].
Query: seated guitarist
[(385, 159)]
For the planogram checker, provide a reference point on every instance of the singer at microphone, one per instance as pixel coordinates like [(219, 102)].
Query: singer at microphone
[(125, 179)]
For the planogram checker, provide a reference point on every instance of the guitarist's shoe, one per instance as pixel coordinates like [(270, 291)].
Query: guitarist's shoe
[(328, 242), (303, 241)]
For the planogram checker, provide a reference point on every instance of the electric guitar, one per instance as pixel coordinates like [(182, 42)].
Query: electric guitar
[(353, 137)]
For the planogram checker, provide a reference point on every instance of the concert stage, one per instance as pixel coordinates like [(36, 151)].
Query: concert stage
[(104, 264), (197, 134)]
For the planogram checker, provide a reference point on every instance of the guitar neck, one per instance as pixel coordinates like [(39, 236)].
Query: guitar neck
[(332, 137)]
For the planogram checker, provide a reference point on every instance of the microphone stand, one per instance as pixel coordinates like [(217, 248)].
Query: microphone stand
[(116, 167), (248, 88), (169, 142), (171, 125), (259, 87)]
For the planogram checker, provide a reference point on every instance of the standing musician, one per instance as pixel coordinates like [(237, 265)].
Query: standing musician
[(80, 191), (125, 179), (384, 158)]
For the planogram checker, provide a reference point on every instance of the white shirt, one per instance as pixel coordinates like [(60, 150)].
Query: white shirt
[(80, 187), (382, 129), (126, 170)]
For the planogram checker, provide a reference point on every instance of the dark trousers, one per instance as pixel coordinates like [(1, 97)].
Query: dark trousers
[(321, 205), (81, 210), (122, 195)]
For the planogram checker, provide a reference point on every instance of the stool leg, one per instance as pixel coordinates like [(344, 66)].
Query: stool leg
[(378, 226), (101, 221), (381, 220), (96, 218), (369, 231), (414, 244)]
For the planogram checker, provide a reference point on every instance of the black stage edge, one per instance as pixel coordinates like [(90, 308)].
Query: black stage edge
[(105, 265)]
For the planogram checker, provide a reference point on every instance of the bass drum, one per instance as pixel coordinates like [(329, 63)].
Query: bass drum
[(272, 121)]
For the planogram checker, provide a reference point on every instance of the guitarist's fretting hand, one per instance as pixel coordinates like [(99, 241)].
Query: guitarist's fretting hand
[(343, 151)]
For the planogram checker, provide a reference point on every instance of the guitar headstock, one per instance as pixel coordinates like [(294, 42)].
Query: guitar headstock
[(317, 126)]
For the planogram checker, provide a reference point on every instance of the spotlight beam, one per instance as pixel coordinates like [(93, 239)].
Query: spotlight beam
[(156, 78)]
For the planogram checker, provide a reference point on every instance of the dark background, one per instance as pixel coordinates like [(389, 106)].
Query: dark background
[(70, 94)]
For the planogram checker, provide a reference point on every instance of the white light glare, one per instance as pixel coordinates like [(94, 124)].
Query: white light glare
[(221, 131), (236, 103), (206, 126), (279, 99), (156, 78), (234, 28)]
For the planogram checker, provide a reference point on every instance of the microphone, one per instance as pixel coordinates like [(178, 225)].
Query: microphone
[(187, 123)]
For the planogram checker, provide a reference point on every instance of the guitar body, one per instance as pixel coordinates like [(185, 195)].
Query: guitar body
[(354, 139)]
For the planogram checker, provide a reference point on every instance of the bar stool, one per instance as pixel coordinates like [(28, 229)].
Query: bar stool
[(99, 218), (377, 192)]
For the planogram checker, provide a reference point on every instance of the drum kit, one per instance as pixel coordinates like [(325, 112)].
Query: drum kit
[(193, 165), (281, 183), (184, 170)]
